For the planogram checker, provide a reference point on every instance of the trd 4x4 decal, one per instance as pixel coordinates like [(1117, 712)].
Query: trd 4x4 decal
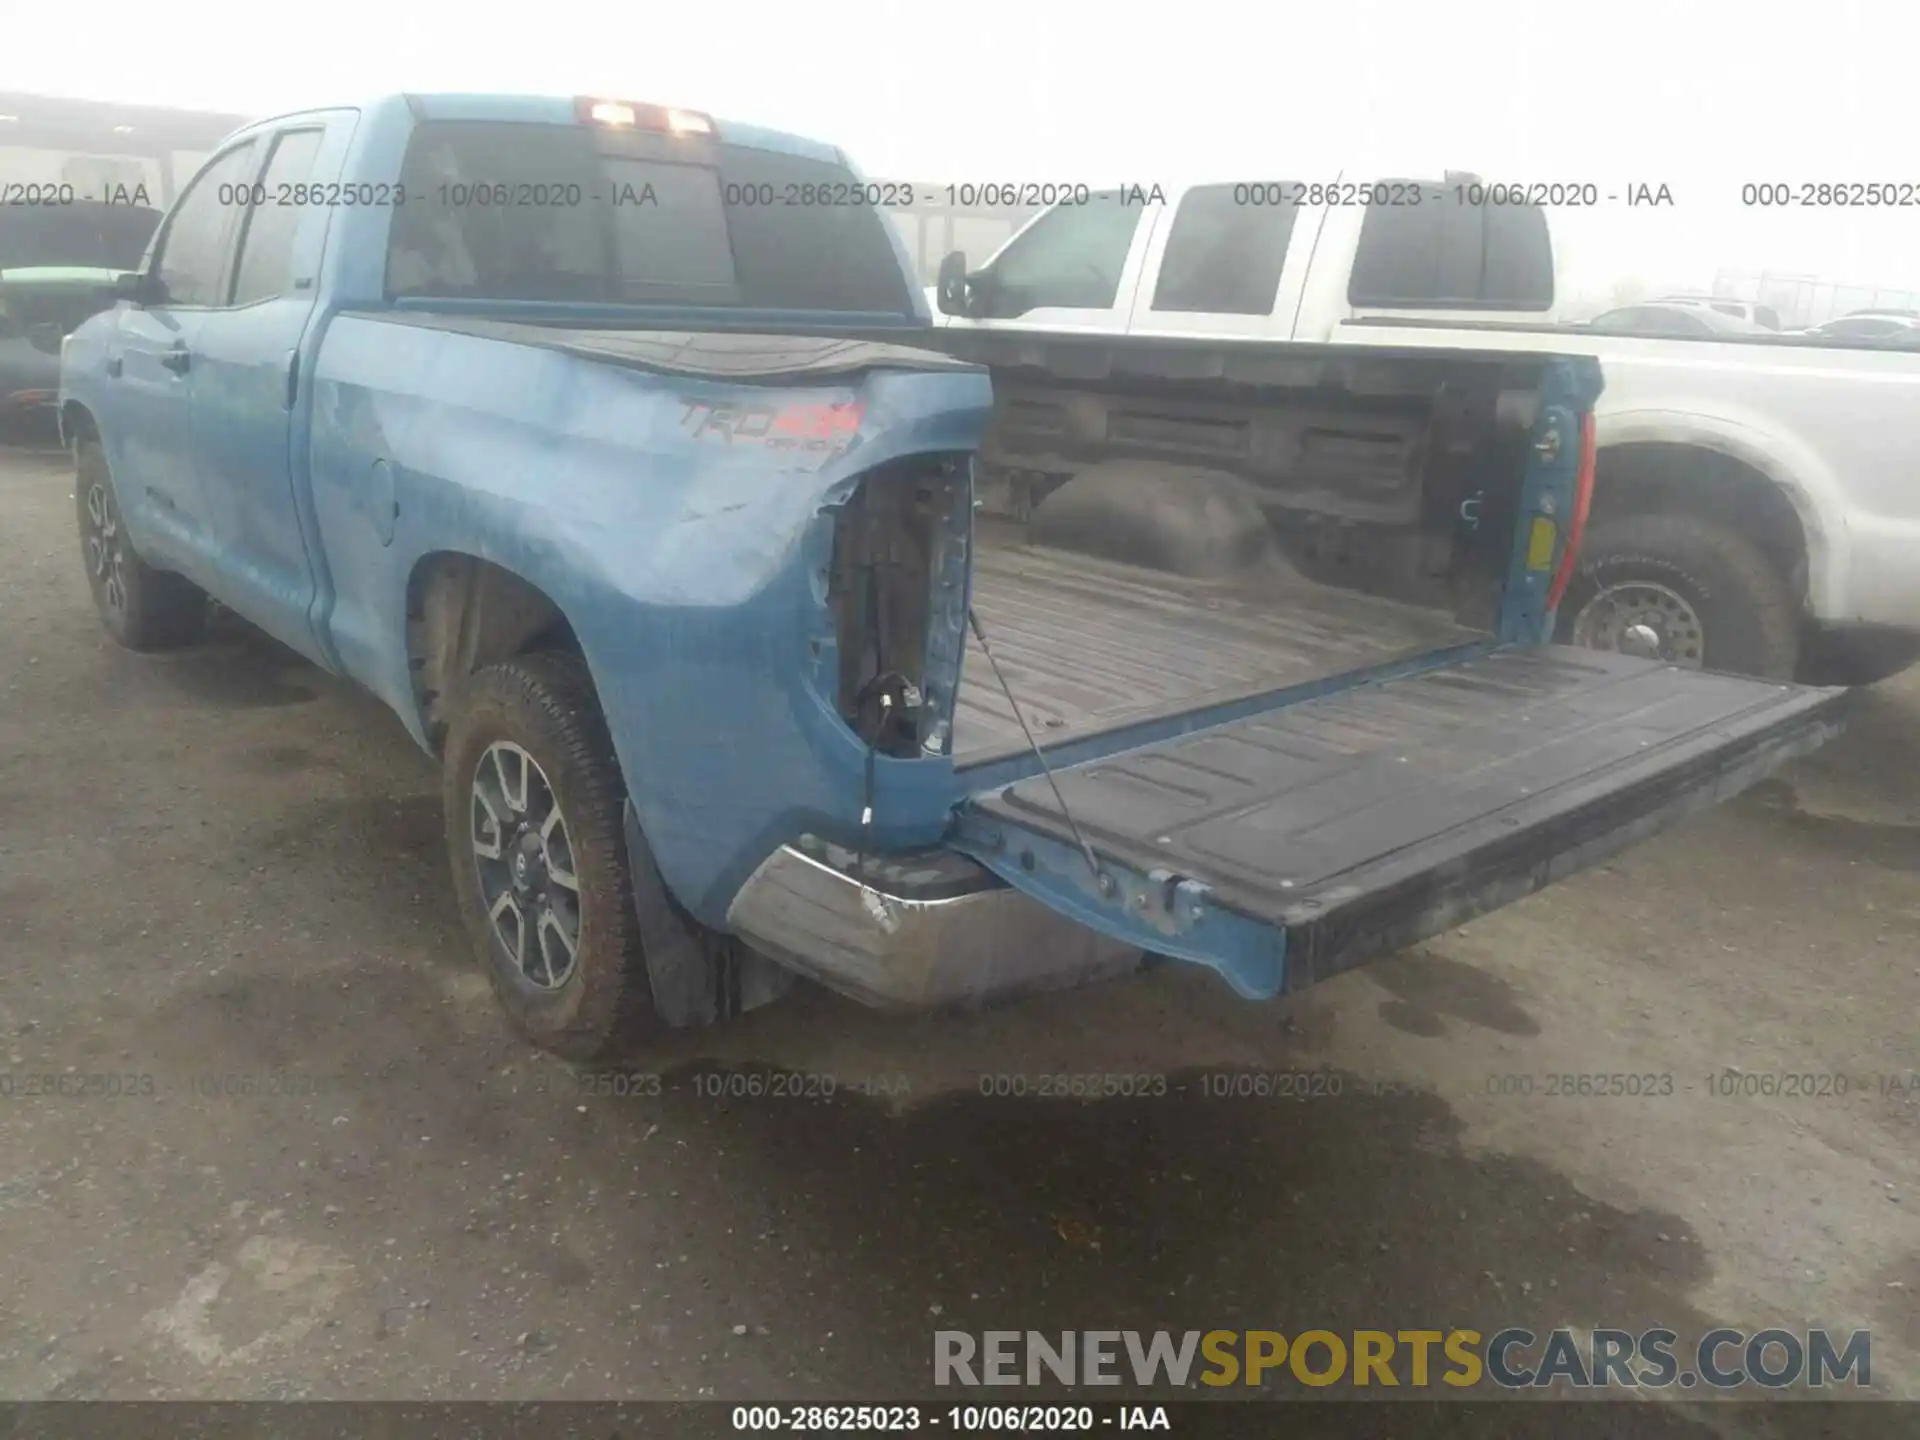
[(815, 432)]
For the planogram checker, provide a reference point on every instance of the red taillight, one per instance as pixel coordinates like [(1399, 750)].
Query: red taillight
[(632, 115), (1582, 502)]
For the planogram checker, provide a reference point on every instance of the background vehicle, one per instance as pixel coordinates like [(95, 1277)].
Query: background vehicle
[(1754, 508), (1682, 321), (1874, 326), (37, 309), (686, 613), (58, 264), (1764, 316)]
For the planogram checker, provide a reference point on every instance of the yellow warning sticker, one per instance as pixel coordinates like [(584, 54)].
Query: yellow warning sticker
[(1540, 545)]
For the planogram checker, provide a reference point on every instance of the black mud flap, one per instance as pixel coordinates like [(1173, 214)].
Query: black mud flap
[(697, 977), (1281, 848)]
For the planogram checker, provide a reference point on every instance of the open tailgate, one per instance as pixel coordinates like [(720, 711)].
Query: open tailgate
[(1291, 844)]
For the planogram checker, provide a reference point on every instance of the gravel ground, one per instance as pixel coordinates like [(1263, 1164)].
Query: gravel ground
[(223, 863)]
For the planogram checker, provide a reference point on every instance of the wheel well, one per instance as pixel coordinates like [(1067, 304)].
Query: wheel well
[(463, 614), (76, 421), (1690, 479)]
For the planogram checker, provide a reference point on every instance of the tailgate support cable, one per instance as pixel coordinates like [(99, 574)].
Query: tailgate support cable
[(1103, 881)]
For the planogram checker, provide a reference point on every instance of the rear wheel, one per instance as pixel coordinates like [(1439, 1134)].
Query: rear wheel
[(1685, 590), (143, 608), (534, 804)]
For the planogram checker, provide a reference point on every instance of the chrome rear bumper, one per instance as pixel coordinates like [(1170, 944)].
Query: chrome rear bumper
[(924, 931)]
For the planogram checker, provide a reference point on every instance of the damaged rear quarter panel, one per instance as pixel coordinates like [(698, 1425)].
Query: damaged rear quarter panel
[(677, 530)]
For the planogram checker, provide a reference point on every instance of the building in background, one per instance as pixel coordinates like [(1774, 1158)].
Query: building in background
[(103, 150)]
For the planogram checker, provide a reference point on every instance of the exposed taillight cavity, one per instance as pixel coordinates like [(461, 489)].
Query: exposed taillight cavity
[(897, 589)]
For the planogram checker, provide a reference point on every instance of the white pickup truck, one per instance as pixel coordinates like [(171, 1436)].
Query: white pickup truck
[(1757, 505)]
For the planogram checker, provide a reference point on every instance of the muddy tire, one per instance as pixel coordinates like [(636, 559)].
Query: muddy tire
[(1708, 595), (143, 608), (534, 803)]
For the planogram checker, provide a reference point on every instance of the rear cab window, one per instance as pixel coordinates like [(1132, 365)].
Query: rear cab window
[(503, 210)]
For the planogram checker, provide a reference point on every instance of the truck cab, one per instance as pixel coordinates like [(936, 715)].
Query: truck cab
[(1273, 260)]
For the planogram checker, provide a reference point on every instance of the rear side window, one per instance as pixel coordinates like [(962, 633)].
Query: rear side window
[(1448, 253), (1224, 254), (266, 247), (505, 211)]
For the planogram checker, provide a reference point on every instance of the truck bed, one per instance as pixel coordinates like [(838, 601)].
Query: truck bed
[(1087, 644)]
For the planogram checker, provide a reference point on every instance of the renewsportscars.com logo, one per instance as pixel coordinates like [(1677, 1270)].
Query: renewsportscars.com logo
[(1512, 1359)]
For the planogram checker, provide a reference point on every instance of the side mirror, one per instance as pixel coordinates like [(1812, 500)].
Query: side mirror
[(953, 288), (138, 287)]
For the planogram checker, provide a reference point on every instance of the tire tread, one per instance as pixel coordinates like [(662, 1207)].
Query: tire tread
[(1765, 639), (553, 690)]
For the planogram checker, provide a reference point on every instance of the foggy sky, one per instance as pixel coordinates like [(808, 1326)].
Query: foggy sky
[(1699, 97)]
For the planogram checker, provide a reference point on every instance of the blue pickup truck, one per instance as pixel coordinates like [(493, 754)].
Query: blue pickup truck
[(761, 630)]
